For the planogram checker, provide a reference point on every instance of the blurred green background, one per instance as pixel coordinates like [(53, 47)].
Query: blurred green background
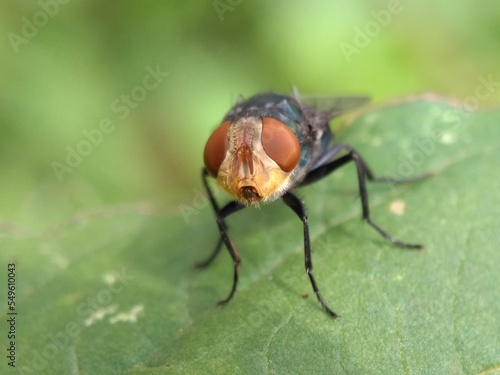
[(67, 66)]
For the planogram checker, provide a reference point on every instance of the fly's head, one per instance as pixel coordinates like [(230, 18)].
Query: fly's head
[(252, 158)]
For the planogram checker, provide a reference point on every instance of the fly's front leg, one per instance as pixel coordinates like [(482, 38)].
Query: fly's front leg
[(213, 202), (220, 215), (227, 210), (205, 263), (216, 209), (298, 207)]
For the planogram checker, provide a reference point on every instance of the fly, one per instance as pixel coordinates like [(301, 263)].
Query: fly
[(270, 144)]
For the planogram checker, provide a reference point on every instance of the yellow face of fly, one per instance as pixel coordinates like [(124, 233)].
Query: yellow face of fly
[(257, 158)]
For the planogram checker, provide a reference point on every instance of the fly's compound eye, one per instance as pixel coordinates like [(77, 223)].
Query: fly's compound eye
[(280, 143), (215, 149)]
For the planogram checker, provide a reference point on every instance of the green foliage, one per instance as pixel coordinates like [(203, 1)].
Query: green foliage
[(419, 312)]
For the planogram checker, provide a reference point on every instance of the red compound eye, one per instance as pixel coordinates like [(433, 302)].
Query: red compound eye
[(215, 149), (280, 143)]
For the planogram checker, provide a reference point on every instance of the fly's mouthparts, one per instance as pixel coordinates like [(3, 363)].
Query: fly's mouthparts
[(249, 194)]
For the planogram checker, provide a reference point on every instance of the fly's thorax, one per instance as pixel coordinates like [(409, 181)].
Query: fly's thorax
[(259, 160)]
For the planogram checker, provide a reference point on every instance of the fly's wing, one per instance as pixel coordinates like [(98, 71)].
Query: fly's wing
[(318, 112), (321, 109)]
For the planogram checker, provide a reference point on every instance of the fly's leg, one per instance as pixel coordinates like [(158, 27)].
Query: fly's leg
[(216, 209), (213, 202), (363, 173), (298, 207), (328, 168), (208, 261), (385, 179), (220, 215), (227, 210)]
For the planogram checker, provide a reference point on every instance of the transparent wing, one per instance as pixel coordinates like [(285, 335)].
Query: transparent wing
[(321, 109)]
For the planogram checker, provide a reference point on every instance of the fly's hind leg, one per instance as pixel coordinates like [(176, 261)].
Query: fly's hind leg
[(363, 173)]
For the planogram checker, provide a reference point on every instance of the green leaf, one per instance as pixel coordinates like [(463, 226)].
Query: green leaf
[(114, 291)]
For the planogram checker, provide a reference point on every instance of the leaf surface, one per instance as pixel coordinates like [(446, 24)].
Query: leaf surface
[(114, 291)]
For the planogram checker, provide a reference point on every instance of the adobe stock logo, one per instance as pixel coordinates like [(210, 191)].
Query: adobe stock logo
[(120, 106), (31, 26), (363, 36), (222, 7), (446, 132)]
